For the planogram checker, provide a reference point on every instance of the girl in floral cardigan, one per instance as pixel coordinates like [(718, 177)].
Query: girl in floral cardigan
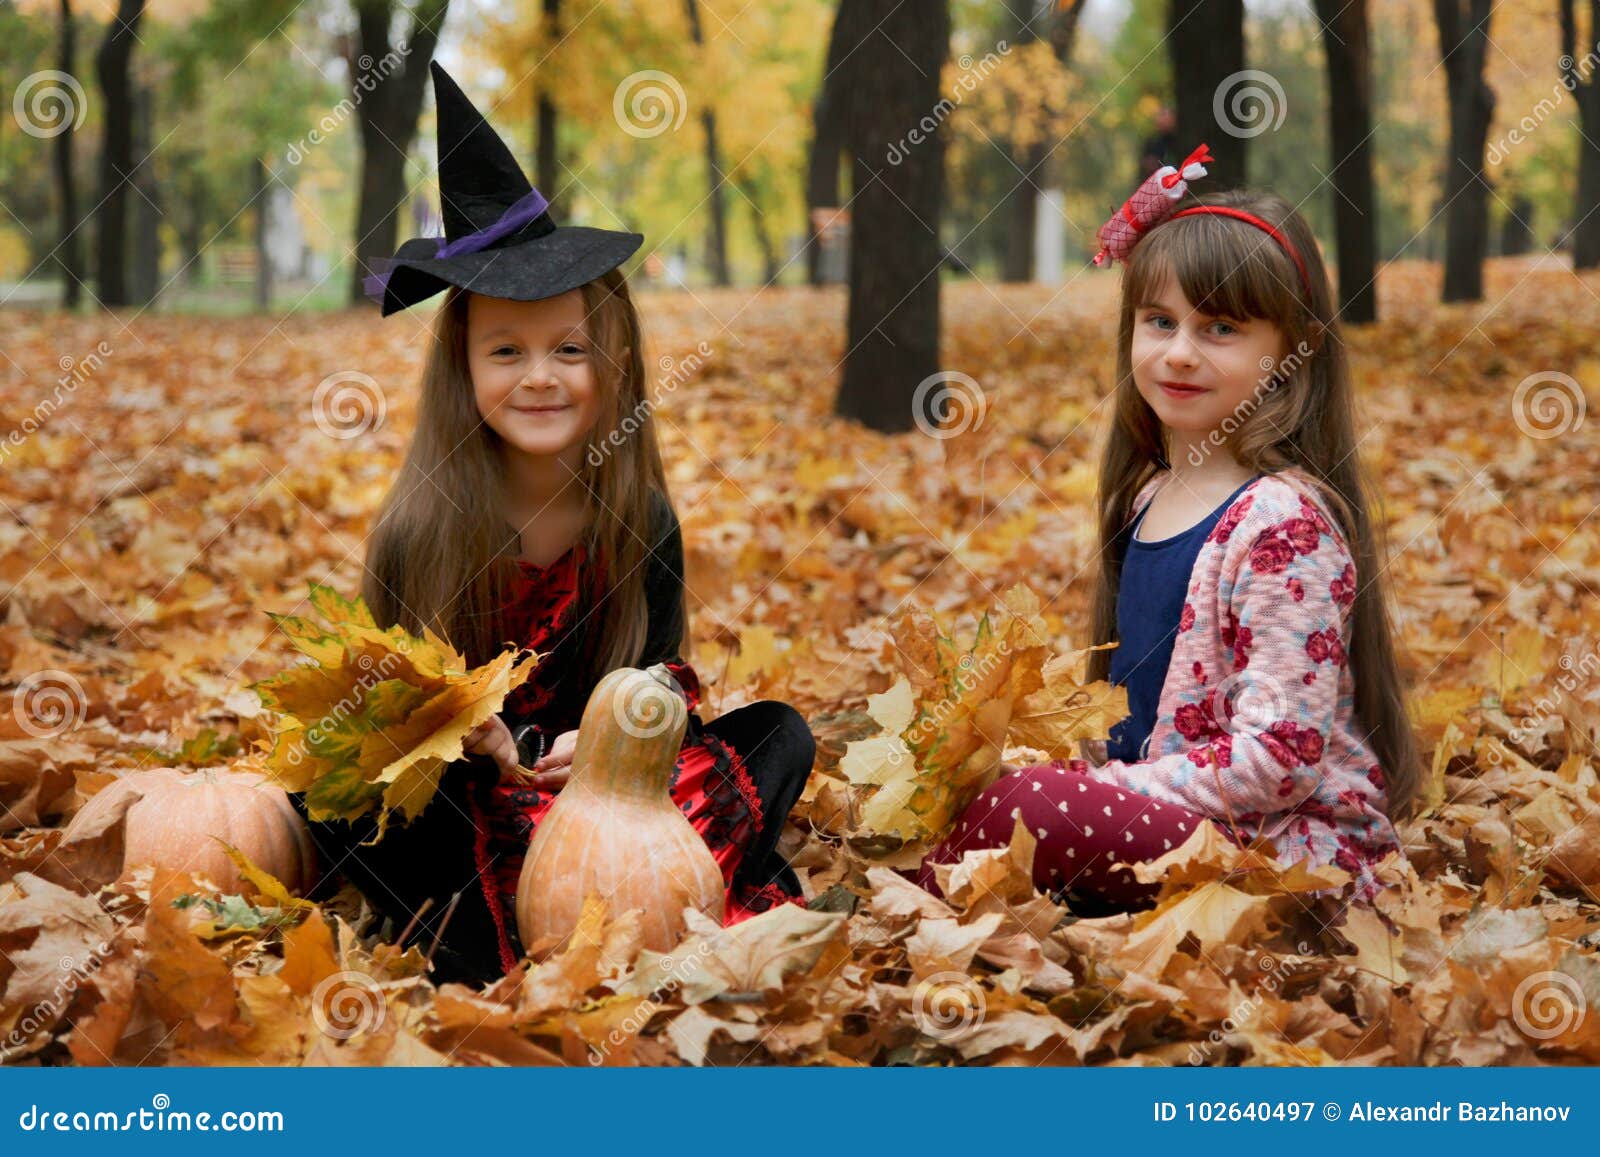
[(1239, 577)]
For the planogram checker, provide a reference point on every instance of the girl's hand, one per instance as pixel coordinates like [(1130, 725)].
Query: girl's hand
[(493, 738), (555, 767)]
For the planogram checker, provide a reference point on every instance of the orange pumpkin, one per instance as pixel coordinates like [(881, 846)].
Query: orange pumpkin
[(614, 830), (173, 825)]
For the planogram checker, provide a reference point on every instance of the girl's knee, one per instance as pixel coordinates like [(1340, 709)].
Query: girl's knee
[(785, 718), (798, 732), (800, 747), (1017, 788), (785, 727)]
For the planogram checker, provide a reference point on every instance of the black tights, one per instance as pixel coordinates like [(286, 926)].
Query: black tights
[(778, 750), (432, 856)]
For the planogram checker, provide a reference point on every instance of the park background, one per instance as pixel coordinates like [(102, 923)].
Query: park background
[(842, 202)]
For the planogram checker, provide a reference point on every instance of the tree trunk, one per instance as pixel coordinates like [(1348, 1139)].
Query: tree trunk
[(387, 108), (716, 201), (116, 152), (1463, 43), (1036, 163), (828, 123), (768, 245), (717, 226), (1346, 41), (146, 280), (191, 226), (1586, 216), (69, 250), (546, 160), (262, 187), (1021, 213), (1206, 46), (895, 251), (1585, 236)]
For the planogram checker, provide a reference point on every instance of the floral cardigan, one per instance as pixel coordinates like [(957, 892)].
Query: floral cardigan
[(1256, 722)]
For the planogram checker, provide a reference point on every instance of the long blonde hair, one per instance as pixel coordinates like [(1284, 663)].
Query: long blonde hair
[(1306, 421), (441, 552)]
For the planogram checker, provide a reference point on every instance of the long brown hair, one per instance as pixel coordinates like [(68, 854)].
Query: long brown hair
[(441, 552), (1304, 423)]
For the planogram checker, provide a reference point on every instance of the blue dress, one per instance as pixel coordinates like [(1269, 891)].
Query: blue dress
[(1155, 581)]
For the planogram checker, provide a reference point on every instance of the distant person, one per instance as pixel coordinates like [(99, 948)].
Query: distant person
[(1159, 147), (1516, 230), (425, 218)]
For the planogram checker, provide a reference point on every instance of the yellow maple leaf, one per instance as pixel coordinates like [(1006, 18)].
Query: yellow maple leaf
[(266, 884), (376, 717), (758, 651), (945, 723), (1068, 708)]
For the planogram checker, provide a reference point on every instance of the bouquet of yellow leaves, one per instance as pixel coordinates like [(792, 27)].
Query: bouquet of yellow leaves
[(373, 718), (946, 721)]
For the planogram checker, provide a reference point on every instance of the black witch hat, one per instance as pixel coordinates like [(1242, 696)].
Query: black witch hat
[(499, 238)]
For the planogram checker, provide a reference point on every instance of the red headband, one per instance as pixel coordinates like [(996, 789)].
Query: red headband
[(1267, 228), (1154, 202)]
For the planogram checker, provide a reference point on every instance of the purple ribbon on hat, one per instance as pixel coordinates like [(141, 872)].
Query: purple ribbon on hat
[(522, 211)]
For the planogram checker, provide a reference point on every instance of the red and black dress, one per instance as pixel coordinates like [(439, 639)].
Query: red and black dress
[(711, 782), (736, 779)]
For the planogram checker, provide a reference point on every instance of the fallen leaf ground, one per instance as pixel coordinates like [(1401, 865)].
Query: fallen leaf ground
[(179, 487)]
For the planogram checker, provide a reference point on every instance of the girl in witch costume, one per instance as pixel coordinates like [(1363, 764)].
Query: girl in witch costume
[(518, 519)]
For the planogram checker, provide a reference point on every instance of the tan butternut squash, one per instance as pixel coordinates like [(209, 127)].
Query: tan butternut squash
[(614, 830)]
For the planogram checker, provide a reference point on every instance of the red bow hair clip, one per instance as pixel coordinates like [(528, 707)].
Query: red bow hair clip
[(1151, 204)]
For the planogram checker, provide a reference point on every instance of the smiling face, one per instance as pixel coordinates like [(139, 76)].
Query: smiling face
[(533, 372), (1225, 360)]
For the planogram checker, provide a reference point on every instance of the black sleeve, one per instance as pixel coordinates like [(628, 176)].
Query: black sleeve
[(663, 585)]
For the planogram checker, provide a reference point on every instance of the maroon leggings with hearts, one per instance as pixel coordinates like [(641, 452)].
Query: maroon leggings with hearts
[(1083, 828)]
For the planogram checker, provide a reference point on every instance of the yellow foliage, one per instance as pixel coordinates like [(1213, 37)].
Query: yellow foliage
[(375, 719)]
